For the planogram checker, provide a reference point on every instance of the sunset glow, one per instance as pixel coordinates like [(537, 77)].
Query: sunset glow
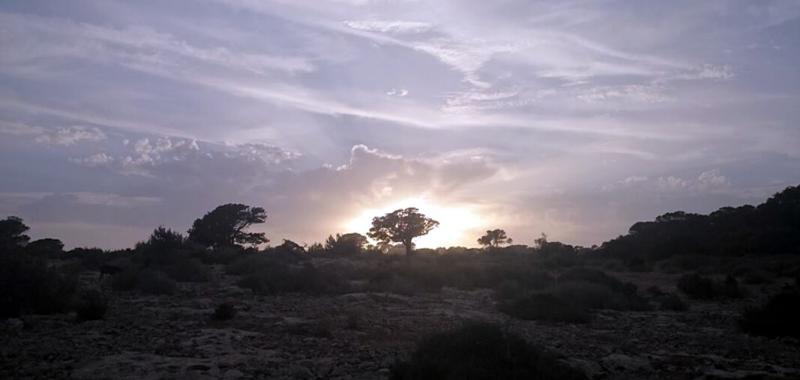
[(458, 225)]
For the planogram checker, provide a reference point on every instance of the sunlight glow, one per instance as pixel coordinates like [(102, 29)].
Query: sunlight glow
[(457, 224)]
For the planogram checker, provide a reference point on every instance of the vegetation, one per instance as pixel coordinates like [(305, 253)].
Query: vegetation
[(772, 227), (777, 317), (494, 238), (225, 226), (28, 285), (91, 305), (224, 311), (401, 226), (700, 287), (481, 351), (350, 243)]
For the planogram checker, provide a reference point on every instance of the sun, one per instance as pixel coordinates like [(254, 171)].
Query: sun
[(457, 223)]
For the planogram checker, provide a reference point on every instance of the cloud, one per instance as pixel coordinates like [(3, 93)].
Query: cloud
[(392, 27), (70, 135)]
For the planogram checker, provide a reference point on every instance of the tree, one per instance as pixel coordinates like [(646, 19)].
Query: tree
[(346, 244), (494, 238), (45, 247), (12, 233), (225, 226), (401, 226)]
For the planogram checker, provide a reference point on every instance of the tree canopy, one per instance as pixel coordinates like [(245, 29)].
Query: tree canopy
[(225, 226), (401, 226), (349, 243), (494, 238), (12, 233)]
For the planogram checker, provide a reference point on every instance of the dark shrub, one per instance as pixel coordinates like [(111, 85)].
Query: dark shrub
[(595, 296), (481, 351), (189, 270), (729, 288), (125, 280), (545, 307), (224, 311), (597, 277), (696, 286), (276, 279), (91, 305), (703, 288), (779, 316), (29, 285), (155, 283), (671, 302)]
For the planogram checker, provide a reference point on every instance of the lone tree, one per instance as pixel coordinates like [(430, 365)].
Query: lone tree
[(225, 226), (12, 233), (494, 239), (401, 226)]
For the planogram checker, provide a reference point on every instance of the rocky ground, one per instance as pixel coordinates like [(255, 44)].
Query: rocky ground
[(360, 336)]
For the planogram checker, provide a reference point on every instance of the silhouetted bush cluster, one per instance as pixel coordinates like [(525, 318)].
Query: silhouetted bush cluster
[(779, 316), (91, 305), (571, 297), (772, 227), (224, 311), (147, 281), (700, 287), (545, 307), (29, 285), (482, 351), (275, 274)]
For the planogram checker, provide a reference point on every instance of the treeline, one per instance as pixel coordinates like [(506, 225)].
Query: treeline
[(771, 228)]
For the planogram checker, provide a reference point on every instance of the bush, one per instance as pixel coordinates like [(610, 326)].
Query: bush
[(481, 351), (276, 279), (671, 302), (594, 296), (779, 316), (91, 305), (696, 286), (29, 285), (125, 280), (189, 271), (224, 311), (155, 283), (544, 307), (597, 277), (703, 288)]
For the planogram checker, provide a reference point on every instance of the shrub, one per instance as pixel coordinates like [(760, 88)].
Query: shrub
[(594, 296), (597, 277), (696, 286), (91, 305), (481, 351), (155, 283), (29, 285), (276, 279), (779, 316), (125, 280), (671, 302), (545, 307), (699, 287), (189, 270), (224, 311)]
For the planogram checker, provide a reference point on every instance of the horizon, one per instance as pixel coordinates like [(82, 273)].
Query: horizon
[(572, 119)]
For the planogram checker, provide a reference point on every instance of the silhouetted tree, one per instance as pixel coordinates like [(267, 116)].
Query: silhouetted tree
[(12, 233), (401, 226), (225, 226), (350, 243), (494, 238), (45, 247), (163, 245)]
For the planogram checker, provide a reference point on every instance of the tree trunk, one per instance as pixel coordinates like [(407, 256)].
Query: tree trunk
[(409, 247)]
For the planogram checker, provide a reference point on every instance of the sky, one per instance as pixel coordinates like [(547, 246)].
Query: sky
[(570, 118)]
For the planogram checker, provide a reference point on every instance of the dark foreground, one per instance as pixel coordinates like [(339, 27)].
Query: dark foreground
[(361, 335)]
